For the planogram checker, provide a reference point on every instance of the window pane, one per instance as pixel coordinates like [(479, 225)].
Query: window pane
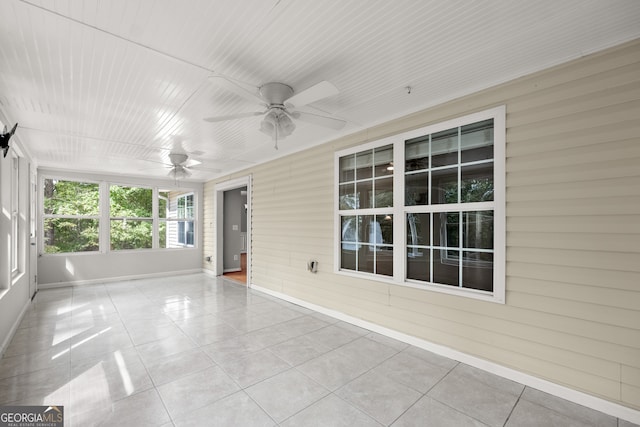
[(385, 228), (446, 229), (180, 212), (130, 201), (418, 260), (384, 161), (478, 229), (130, 234), (446, 264), (366, 258), (444, 186), (477, 183), (188, 206), (70, 235), (364, 191), (364, 165), (418, 229), (444, 148), (348, 168), (416, 189), (348, 257), (189, 233), (163, 204), (368, 229), (162, 234), (349, 229), (71, 198), (181, 232), (416, 154), (477, 271), (348, 196), (477, 141), (384, 192), (384, 260)]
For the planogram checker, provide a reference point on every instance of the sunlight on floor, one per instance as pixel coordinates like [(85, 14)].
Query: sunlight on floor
[(124, 373), (89, 338)]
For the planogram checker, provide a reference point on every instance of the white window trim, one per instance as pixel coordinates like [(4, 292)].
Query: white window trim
[(105, 218), (185, 219), (498, 114)]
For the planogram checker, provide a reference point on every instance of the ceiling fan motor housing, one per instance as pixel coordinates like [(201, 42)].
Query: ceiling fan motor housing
[(276, 93), (178, 158)]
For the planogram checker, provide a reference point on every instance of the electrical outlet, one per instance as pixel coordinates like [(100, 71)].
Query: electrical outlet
[(235, 257)]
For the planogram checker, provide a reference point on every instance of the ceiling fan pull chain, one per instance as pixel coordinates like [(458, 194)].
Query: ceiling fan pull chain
[(275, 130)]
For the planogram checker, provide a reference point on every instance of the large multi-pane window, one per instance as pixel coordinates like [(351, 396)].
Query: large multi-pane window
[(71, 219), (447, 181), (89, 217)]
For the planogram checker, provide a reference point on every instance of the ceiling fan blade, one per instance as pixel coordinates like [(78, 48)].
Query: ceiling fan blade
[(328, 122), (199, 168), (236, 88), (233, 116), (314, 93), (191, 163)]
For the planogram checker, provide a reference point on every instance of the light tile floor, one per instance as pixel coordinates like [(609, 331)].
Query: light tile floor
[(199, 351)]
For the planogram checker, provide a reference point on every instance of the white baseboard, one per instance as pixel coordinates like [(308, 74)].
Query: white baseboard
[(209, 273), (14, 328), (117, 279), (575, 396)]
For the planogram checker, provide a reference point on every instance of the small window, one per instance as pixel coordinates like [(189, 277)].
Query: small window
[(177, 219)]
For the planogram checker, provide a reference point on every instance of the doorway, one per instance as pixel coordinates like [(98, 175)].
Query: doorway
[(233, 230)]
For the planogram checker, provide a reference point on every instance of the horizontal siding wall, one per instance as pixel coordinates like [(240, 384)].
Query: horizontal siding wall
[(572, 311)]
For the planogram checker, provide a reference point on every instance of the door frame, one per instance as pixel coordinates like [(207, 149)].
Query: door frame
[(220, 188)]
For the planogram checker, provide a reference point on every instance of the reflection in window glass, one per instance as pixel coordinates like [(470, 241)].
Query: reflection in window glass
[(444, 148), (367, 243), (416, 154), (476, 141), (383, 193), (444, 186), (476, 183)]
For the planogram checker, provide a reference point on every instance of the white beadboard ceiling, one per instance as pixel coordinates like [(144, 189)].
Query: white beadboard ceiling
[(114, 86)]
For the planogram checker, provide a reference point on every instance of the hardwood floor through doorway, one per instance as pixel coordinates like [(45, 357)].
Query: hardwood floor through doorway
[(239, 276)]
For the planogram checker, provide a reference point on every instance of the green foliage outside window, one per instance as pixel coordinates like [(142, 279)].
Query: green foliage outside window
[(128, 205), (71, 230)]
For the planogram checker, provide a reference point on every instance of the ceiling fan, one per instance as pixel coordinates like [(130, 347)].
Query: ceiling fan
[(180, 166), (280, 106)]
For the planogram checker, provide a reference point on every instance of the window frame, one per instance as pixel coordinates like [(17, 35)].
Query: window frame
[(15, 261), (130, 218), (182, 220), (44, 216), (104, 216), (400, 210)]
